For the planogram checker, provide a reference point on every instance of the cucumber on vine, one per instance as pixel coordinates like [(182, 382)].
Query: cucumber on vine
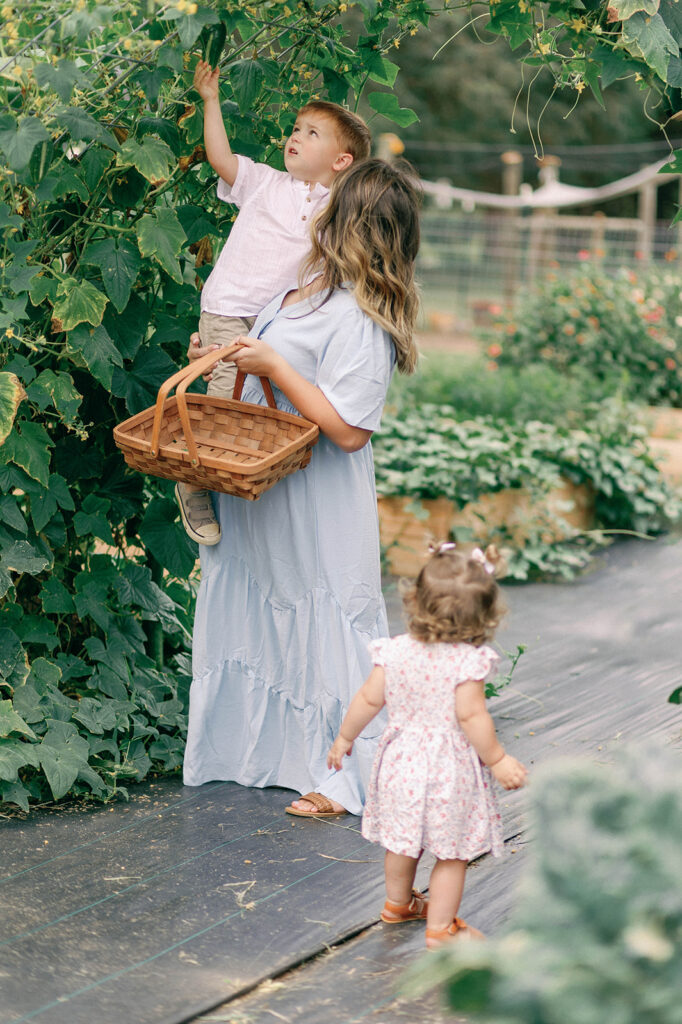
[(213, 43)]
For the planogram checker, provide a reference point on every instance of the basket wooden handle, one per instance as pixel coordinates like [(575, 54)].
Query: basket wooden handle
[(181, 381), (188, 373)]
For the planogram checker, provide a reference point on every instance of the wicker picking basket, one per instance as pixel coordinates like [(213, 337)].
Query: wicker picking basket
[(221, 444)]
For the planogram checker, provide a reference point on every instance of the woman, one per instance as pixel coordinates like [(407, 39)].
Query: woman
[(291, 596)]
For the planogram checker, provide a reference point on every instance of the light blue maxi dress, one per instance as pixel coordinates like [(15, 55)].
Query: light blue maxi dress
[(291, 596)]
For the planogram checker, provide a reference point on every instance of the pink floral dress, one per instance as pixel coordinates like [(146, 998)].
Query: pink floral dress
[(428, 789)]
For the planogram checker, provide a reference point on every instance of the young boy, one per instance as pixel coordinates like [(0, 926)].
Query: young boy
[(268, 240)]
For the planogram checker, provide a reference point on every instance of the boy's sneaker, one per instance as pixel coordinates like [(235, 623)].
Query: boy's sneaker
[(198, 516)]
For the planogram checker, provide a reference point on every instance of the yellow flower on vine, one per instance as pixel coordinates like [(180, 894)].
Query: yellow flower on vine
[(578, 24), (396, 43), (543, 47), (181, 5), (580, 86), (523, 6), (192, 8), (343, 7), (7, 11)]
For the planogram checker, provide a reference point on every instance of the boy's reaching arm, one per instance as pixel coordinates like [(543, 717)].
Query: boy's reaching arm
[(220, 156)]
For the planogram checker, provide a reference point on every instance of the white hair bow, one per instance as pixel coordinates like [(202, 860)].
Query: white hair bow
[(478, 556)]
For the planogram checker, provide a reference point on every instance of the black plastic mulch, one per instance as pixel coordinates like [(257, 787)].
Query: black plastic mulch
[(155, 911)]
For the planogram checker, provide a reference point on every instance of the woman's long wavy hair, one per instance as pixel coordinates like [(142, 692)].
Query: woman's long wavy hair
[(454, 599), (368, 236)]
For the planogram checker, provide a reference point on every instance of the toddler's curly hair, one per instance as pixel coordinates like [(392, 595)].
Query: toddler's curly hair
[(455, 598)]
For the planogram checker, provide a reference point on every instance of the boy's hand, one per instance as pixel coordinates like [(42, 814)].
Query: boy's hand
[(206, 81), (337, 751), (509, 772), (196, 351)]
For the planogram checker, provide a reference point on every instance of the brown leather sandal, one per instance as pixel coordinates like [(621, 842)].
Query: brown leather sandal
[(325, 808), (397, 913), (459, 929)]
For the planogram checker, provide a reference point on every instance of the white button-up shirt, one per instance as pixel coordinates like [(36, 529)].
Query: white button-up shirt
[(268, 240)]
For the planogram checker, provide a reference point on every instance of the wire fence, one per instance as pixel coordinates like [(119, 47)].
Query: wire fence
[(471, 263)]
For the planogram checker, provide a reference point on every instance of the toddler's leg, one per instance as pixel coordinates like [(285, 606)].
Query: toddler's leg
[(223, 330), (403, 902), (196, 508), (446, 886)]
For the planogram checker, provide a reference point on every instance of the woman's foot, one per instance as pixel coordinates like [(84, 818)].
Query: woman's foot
[(315, 805)]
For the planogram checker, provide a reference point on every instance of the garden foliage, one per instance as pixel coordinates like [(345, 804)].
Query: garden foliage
[(430, 451), (624, 331), (109, 223), (596, 933)]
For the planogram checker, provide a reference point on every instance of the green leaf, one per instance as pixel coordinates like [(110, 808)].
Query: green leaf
[(83, 127), (246, 78), (61, 78), (135, 586), (91, 519), (11, 514), (650, 37), (78, 302), (625, 8), (28, 446), (113, 656), (13, 658), (160, 235), (18, 140), (62, 182), (140, 383), (189, 26), (196, 222), (41, 288), (165, 129), (62, 754), (381, 69), (119, 262), (90, 603), (151, 157), (94, 349), (22, 557), (165, 539), (10, 721), (11, 395), (386, 103), (60, 389), (15, 793), (96, 715), (55, 598)]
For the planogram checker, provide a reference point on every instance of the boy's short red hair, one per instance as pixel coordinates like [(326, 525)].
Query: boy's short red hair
[(353, 133)]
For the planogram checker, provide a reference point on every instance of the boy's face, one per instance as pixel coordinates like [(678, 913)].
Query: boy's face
[(313, 152)]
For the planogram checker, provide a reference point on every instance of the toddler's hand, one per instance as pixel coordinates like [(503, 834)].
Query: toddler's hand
[(206, 81), (338, 749), (196, 351), (509, 772)]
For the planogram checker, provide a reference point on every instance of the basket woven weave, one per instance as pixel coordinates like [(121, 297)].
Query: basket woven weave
[(222, 444)]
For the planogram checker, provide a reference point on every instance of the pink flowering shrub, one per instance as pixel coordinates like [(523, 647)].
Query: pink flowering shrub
[(626, 329)]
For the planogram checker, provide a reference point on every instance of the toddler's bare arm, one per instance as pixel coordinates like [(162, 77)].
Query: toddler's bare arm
[(220, 156), (478, 727)]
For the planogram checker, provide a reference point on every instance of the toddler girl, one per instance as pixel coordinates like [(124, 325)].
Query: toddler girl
[(431, 783)]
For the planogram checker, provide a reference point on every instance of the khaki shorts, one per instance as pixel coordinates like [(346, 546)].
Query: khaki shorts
[(222, 330)]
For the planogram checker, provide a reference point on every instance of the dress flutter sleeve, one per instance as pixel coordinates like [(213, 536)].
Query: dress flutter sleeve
[(476, 663), (356, 366), (378, 650)]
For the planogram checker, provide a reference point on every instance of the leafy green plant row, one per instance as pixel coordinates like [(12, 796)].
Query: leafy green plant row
[(426, 452)]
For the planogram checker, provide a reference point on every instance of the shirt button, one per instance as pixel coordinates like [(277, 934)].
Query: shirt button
[(304, 217), (308, 199)]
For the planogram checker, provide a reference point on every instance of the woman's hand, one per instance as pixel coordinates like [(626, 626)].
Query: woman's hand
[(257, 357), (338, 750), (206, 81), (196, 351)]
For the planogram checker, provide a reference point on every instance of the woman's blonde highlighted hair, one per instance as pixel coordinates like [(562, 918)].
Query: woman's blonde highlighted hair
[(368, 236), (455, 598)]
